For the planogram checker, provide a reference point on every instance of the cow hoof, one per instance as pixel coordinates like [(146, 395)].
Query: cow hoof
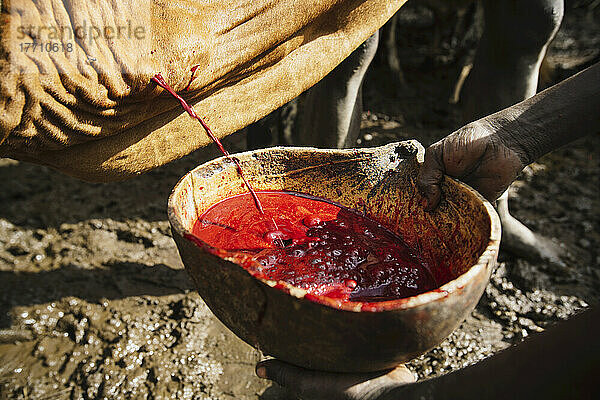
[(522, 242)]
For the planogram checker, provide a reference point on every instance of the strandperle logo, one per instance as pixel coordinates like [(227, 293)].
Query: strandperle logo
[(83, 31)]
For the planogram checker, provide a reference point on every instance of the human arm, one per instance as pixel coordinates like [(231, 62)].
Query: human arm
[(489, 153)]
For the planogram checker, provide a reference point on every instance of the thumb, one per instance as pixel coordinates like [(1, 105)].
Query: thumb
[(284, 374), (303, 383), (431, 175)]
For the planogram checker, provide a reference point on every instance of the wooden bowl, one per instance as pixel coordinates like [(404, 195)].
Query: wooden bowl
[(460, 238)]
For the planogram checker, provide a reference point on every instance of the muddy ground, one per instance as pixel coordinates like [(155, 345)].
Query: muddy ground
[(94, 301)]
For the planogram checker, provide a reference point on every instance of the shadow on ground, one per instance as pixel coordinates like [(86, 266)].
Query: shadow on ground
[(113, 280)]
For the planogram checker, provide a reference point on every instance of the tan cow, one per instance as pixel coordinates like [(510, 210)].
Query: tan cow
[(75, 90)]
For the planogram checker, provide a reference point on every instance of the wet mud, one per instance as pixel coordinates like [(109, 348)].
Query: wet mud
[(94, 301)]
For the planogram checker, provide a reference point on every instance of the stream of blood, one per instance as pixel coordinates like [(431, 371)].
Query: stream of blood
[(159, 80)]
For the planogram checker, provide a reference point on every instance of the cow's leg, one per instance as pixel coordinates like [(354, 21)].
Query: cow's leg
[(392, 58), (505, 71), (329, 113), (512, 47), (263, 133), (274, 129)]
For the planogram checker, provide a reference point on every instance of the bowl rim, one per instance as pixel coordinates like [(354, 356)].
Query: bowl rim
[(450, 287)]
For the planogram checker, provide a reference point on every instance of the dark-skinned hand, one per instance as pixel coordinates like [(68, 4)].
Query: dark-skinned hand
[(476, 154), (318, 385)]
